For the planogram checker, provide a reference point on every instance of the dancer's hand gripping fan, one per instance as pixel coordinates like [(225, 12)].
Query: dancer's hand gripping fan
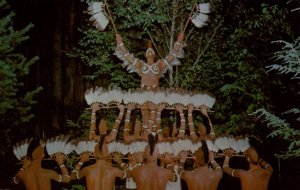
[(59, 144)]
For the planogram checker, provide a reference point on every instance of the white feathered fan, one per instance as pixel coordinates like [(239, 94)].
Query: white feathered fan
[(59, 144), (200, 18), (98, 15), (85, 146), (20, 149)]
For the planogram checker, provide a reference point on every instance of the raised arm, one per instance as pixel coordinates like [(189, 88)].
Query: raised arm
[(126, 133), (170, 165), (265, 165), (159, 131), (204, 111), (193, 134), (77, 172), (113, 134), (181, 133), (92, 135), (227, 169), (64, 176), (176, 52), (181, 171), (123, 53), (216, 167), (25, 164)]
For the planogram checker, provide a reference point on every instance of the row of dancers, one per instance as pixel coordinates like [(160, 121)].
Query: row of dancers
[(145, 158)]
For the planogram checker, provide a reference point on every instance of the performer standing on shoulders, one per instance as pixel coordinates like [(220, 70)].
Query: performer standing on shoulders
[(151, 71)]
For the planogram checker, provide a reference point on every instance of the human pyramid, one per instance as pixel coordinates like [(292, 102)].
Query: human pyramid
[(145, 153)]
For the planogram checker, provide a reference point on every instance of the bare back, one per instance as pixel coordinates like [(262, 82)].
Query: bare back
[(36, 178), (202, 179), (151, 177), (256, 178), (101, 177)]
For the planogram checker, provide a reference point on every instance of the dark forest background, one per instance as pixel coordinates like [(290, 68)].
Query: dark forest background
[(55, 35)]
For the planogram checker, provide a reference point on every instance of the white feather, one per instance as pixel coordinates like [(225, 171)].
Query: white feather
[(20, 149), (200, 18), (204, 7), (98, 15)]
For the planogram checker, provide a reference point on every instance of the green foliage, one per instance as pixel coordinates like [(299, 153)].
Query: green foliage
[(15, 101), (289, 64), (288, 58), (283, 130)]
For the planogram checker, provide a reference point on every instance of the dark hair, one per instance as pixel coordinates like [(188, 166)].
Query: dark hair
[(151, 141), (34, 143), (101, 141), (257, 145), (205, 151), (206, 123)]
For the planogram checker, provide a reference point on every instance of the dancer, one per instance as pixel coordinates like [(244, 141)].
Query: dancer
[(101, 175), (201, 178), (151, 71), (103, 126), (258, 175), (33, 175), (150, 176)]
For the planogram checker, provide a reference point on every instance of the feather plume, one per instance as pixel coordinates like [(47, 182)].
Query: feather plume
[(98, 15), (200, 18), (20, 149)]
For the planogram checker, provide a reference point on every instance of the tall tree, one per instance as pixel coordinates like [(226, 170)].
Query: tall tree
[(15, 101)]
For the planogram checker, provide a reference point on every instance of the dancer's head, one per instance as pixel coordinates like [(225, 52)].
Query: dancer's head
[(151, 151), (150, 54), (202, 154), (101, 149), (253, 153), (35, 150)]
